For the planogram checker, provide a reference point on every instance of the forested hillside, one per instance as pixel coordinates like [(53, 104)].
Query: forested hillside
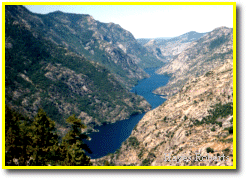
[(41, 74), (107, 43)]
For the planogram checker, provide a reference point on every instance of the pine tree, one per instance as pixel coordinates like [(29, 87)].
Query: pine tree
[(72, 145), (12, 133), (25, 141), (35, 142), (17, 140), (44, 139)]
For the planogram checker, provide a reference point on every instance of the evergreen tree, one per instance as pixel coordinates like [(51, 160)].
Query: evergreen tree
[(35, 142), (12, 137), (72, 145), (17, 140), (44, 139)]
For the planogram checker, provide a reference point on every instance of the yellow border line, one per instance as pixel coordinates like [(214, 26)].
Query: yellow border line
[(120, 3), (234, 86), (120, 167), (3, 85)]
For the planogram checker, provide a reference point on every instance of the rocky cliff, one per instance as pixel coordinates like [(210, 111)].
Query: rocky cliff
[(192, 128), (165, 49), (198, 58)]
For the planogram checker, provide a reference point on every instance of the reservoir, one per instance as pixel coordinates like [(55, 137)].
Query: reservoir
[(110, 136)]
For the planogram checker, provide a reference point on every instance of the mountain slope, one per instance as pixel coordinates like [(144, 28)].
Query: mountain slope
[(166, 49), (106, 43), (194, 122), (41, 74), (199, 57)]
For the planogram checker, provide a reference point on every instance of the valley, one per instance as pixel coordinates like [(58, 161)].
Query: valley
[(196, 120), (109, 137), (138, 100)]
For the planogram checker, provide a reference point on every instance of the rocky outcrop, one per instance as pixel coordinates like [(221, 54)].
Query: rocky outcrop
[(195, 122), (199, 57), (166, 48)]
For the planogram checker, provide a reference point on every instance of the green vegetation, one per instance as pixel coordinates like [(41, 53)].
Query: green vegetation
[(146, 162), (213, 129), (34, 142), (140, 155), (106, 163), (159, 145), (208, 73), (78, 37), (230, 129), (217, 111), (231, 121), (217, 42), (226, 151), (158, 134), (30, 55), (209, 150), (230, 140), (187, 133), (133, 141), (135, 127), (150, 158)]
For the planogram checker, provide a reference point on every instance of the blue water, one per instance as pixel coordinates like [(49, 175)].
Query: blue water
[(110, 136)]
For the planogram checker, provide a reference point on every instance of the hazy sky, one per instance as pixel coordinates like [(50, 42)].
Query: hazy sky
[(153, 21)]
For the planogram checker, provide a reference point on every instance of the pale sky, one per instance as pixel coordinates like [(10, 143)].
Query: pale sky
[(145, 21)]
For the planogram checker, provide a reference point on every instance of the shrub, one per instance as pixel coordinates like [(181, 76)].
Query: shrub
[(141, 153), (133, 141), (216, 112), (146, 162), (231, 121), (230, 129), (106, 163), (210, 150), (226, 151), (208, 73)]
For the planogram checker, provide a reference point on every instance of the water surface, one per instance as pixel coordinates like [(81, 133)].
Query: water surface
[(110, 136)]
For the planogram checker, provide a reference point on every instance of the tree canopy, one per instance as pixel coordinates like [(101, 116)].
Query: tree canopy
[(34, 142)]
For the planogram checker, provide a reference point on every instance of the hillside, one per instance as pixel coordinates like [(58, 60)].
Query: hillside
[(198, 58), (106, 43), (166, 48), (195, 122), (42, 74)]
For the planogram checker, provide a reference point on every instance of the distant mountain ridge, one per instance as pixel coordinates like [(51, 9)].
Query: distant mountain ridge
[(166, 48), (143, 41), (199, 57)]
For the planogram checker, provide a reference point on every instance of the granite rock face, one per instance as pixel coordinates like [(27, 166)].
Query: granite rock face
[(166, 48), (178, 133), (198, 58)]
